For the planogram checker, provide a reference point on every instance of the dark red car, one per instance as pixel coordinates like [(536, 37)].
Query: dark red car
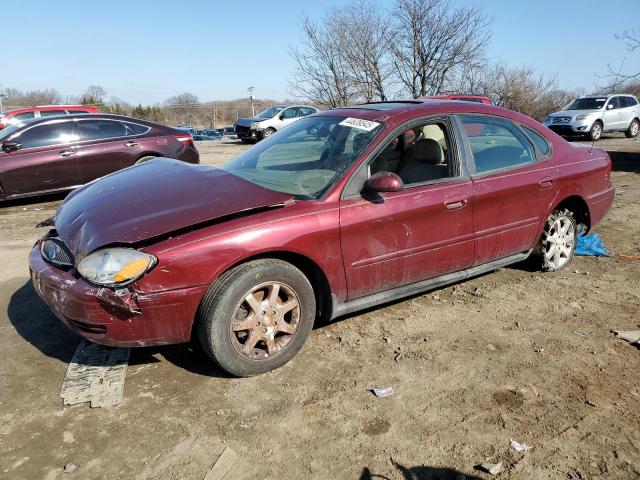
[(22, 114), (343, 210), (463, 97), (60, 153)]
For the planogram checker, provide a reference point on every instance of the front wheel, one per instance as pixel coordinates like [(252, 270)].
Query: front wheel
[(596, 131), (256, 316), (558, 242), (632, 131)]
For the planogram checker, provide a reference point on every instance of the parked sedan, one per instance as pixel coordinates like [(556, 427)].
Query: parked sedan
[(341, 211), (59, 153), (22, 114)]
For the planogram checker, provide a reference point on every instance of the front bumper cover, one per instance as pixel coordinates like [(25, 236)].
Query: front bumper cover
[(123, 318)]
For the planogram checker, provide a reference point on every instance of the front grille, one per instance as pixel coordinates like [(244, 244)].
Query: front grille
[(55, 252), (241, 129), (562, 120)]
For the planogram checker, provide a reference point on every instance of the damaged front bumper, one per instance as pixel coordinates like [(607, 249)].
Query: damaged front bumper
[(121, 318)]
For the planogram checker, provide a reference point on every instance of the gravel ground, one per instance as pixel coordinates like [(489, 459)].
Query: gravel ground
[(515, 354)]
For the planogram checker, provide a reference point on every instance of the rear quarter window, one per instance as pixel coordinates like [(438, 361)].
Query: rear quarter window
[(540, 142)]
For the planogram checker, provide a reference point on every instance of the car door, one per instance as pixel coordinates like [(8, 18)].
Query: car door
[(45, 160), (627, 110), (613, 114), (513, 186), (288, 116), (104, 147), (423, 231)]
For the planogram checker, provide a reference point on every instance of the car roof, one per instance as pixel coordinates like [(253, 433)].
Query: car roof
[(46, 107), (384, 111), (91, 116)]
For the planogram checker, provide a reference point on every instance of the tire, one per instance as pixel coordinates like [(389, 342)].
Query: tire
[(632, 131), (596, 131), (276, 330), (144, 159), (267, 133), (557, 249), (246, 140)]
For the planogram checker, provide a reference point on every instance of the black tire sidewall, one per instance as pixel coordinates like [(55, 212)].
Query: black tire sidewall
[(628, 133), (215, 325), (591, 131)]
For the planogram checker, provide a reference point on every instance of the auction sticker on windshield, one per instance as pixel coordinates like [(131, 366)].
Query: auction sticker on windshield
[(359, 123)]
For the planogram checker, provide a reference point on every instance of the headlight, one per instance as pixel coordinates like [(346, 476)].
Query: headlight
[(549, 119), (115, 266), (583, 117), (255, 125)]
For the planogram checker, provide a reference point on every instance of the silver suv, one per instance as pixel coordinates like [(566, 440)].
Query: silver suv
[(593, 114), (270, 121)]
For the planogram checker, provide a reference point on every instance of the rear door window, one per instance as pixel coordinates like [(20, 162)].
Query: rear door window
[(100, 130), (496, 143), (45, 135)]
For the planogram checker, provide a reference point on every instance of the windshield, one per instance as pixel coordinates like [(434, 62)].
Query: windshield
[(587, 104), (307, 157), (270, 112)]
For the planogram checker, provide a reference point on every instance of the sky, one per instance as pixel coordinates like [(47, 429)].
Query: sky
[(146, 51)]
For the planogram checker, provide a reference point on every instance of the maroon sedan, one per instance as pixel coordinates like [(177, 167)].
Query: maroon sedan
[(341, 211), (59, 153)]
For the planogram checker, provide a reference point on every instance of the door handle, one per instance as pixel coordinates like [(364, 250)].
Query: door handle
[(546, 182), (131, 144), (66, 153), (455, 204)]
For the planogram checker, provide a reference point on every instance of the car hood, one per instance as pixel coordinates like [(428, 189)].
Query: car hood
[(152, 199), (573, 113), (246, 122)]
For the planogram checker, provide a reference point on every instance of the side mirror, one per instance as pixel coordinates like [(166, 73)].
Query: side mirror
[(610, 106), (281, 116), (11, 146), (384, 182)]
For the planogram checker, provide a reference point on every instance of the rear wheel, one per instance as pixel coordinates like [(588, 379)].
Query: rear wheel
[(558, 242), (632, 131), (256, 317), (596, 131)]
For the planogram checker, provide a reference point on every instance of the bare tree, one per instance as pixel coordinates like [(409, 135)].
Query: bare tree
[(183, 99), (432, 40), (322, 70), (616, 79), (363, 35), (520, 89)]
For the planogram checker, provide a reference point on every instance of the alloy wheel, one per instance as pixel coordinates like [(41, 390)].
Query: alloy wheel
[(560, 242), (265, 321)]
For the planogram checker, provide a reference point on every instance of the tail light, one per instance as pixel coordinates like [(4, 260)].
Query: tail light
[(186, 139)]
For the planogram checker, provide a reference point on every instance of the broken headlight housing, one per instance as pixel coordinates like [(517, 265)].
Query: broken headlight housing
[(115, 267)]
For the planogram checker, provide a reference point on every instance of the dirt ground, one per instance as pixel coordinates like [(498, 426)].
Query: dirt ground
[(515, 354)]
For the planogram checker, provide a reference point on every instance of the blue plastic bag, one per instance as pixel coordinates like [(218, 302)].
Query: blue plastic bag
[(591, 245)]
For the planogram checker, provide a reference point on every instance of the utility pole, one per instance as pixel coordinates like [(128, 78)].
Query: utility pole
[(1, 97), (250, 91)]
